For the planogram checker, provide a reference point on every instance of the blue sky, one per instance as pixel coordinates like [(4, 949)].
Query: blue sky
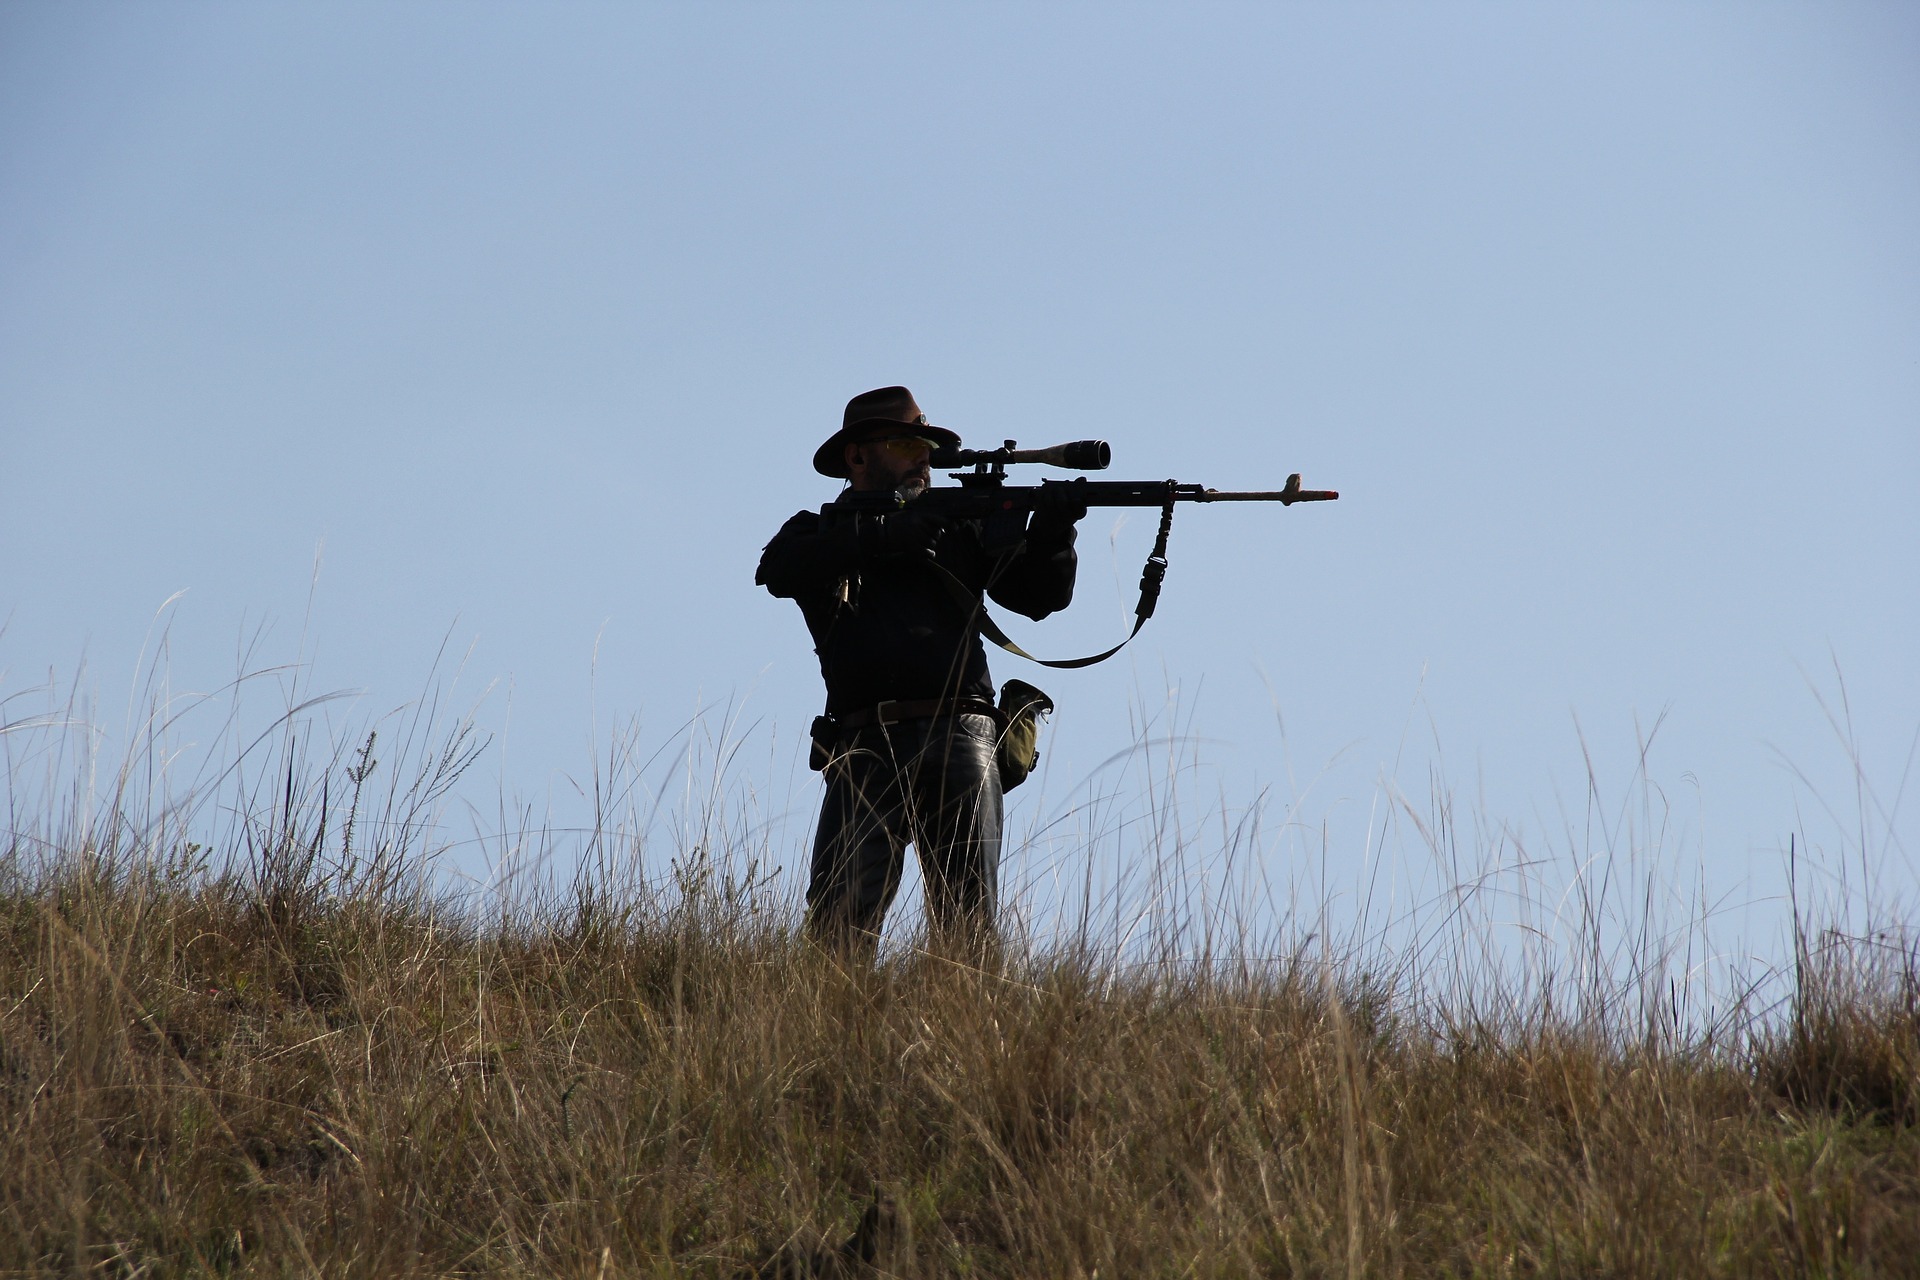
[(522, 322)]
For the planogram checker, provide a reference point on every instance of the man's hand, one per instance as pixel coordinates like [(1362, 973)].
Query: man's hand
[(907, 534), (1053, 521), (1064, 508)]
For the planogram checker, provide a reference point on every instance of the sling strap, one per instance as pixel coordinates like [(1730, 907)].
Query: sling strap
[(1152, 574)]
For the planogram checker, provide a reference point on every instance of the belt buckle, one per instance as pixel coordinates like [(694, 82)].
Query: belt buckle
[(883, 712)]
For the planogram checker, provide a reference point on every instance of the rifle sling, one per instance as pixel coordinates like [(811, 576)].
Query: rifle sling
[(1152, 574)]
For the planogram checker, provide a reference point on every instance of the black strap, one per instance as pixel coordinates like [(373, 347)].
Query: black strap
[(1151, 576)]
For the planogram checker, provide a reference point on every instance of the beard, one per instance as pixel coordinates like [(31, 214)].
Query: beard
[(908, 482)]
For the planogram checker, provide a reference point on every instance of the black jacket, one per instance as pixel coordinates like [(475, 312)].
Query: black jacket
[(887, 627)]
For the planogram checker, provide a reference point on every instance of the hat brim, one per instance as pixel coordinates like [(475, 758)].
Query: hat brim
[(830, 458)]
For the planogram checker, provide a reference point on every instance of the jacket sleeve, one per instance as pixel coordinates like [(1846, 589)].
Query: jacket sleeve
[(803, 559), (1037, 579)]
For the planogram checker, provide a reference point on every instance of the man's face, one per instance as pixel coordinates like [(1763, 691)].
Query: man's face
[(893, 460)]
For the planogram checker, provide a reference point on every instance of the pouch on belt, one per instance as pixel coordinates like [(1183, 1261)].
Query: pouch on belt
[(1021, 706)]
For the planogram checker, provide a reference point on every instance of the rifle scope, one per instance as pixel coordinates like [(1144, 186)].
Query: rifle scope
[(1075, 455)]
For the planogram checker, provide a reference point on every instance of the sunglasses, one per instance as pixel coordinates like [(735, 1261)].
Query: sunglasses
[(904, 446)]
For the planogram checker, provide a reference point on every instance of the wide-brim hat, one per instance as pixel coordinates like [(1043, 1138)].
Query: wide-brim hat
[(882, 410)]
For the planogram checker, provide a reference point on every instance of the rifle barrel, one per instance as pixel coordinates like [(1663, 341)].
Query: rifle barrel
[(1288, 496), (1119, 493)]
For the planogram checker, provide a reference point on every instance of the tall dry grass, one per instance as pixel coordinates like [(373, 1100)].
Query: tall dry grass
[(288, 1048)]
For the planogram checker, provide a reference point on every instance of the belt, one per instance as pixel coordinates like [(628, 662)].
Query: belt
[(914, 709)]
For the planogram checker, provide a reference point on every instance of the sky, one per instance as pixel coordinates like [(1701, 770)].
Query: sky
[(468, 354)]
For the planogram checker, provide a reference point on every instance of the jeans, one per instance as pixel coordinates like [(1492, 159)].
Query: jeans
[(932, 783)]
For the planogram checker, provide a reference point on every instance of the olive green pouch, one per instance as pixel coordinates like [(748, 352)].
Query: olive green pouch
[(1021, 706)]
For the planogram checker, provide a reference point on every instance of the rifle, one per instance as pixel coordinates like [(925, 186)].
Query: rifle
[(985, 495), (1003, 510)]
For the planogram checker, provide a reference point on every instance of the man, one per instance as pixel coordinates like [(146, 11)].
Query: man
[(891, 595)]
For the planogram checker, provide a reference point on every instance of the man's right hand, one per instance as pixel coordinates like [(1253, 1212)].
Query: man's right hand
[(907, 534)]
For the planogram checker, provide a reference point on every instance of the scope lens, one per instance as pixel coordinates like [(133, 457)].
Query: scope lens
[(1088, 455)]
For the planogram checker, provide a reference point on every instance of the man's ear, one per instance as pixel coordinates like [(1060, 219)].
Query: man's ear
[(855, 454)]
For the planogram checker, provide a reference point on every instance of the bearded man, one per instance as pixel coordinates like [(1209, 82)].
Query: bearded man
[(890, 592)]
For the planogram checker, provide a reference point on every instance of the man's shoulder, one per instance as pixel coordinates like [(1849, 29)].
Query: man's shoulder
[(801, 522)]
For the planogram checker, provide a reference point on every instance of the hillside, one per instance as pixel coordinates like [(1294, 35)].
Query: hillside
[(272, 1070)]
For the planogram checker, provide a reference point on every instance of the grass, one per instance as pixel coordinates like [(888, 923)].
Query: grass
[(293, 1052)]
